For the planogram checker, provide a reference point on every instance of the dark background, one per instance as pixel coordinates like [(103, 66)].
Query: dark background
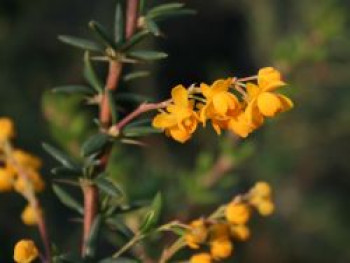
[(304, 153)]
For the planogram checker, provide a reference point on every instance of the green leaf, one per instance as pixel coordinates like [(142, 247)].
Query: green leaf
[(152, 216), (73, 89), (136, 75), (119, 260), (60, 156), (109, 187), (112, 106), (80, 43), (173, 13), (102, 34), (91, 243), (147, 55), (117, 225), (136, 38), (90, 74), (67, 199), (119, 27), (139, 131), (153, 27), (158, 10), (138, 123), (94, 144), (64, 171)]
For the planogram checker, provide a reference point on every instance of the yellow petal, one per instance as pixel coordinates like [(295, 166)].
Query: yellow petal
[(269, 79), (287, 103), (180, 135), (252, 90), (253, 115), (180, 96), (269, 104), (163, 120), (220, 103), (206, 90), (221, 85), (240, 126)]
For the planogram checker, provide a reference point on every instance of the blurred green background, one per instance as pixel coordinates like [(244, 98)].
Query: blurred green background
[(304, 153)]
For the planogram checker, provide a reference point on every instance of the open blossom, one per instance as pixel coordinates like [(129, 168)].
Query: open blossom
[(262, 99), (221, 105), (25, 251), (180, 120)]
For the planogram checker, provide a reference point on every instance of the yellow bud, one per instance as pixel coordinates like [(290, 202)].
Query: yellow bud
[(221, 248), (6, 180), (197, 235), (7, 130), (266, 208), (220, 231), (29, 216), (201, 258), (237, 213), (240, 232), (262, 189), (25, 251)]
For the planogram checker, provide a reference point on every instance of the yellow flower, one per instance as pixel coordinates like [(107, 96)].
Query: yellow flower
[(221, 248), (240, 232), (180, 121), (7, 130), (29, 216), (34, 180), (237, 213), (197, 235), (6, 180), (201, 258), (221, 105), (27, 160), (262, 100), (240, 126), (25, 251)]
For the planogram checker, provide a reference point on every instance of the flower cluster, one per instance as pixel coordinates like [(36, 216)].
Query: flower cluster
[(237, 105), (19, 171), (25, 251), (228, 225)]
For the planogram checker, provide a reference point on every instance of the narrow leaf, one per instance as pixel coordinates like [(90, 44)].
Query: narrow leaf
[(140, 131), (136, 75), (135, 39), (119, 26), (73, 89), (102, 34), (60, 156), (67, 199), (94, 144), (165, 8), (90, 74), (80, 43), (109, 187), (153, 27), (153, 215), (147, 55), (91, 243), (173, 13), (64, 171)]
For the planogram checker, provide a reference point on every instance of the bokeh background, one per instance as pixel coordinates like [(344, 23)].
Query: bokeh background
[(304, 153)]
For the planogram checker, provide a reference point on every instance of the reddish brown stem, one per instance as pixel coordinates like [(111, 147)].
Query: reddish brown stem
[(90, 209), (145, 107), (43, 231), (90, 191)]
